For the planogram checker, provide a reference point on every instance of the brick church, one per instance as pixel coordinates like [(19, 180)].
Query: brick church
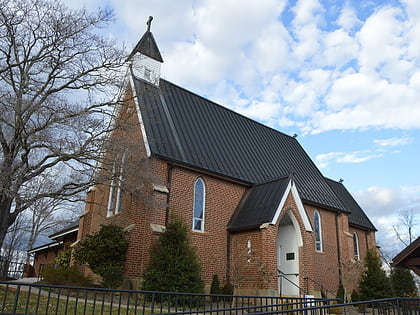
[(262, 215)]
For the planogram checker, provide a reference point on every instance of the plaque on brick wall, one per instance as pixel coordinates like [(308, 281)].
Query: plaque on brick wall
[(290, 256)]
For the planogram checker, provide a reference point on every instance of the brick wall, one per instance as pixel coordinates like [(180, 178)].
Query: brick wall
[(221, 200), (45, 257), (248, 259)]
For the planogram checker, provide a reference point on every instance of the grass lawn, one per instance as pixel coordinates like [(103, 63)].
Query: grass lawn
[(22, 302)]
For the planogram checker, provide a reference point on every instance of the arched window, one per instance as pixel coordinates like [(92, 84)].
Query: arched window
[(318, 231), (115, 189), (199, 205), (356, 246)]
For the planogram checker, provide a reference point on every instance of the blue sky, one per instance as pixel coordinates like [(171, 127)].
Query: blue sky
[(343, 75)]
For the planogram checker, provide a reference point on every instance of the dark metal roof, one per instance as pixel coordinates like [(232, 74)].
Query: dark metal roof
[(188, 129), (147, 46), (357, 216), (259, 205)]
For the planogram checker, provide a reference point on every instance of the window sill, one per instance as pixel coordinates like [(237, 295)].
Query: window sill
[(113, 215), (200, 232)]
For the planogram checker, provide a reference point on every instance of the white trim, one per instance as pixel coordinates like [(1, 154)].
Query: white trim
[(291, 187), (143, 129), (129, 228), (204, 206), (265, 225), (297, 227), (157, 228), (65, 233), (72, 245), (110, 206), (357, 247), (160, 188), (119, 184), (91, 188), (348, 234), (84, 213), (115, 112), (301, 208), (31, 251), (321, 239)]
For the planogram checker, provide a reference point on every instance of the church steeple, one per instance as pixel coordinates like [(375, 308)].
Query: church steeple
[(145, 58)]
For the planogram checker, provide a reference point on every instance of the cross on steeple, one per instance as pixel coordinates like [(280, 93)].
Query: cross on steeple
[(149, 23)]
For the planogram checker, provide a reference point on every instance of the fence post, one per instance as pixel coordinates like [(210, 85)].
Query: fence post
[(309, 301)]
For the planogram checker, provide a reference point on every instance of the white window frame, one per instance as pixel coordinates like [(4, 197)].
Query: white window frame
[(115, 192), (318, 232), (356, 247), (204, 206)]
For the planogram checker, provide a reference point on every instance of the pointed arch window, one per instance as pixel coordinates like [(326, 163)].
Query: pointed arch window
[(318, 232), (356, 246), (115, 192), (199, 205)]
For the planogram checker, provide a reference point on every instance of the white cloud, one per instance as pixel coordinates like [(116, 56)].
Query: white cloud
[(381, 38), (348, 18), (339, 48), (384, 207), (350, 75), (324, 160), (384, 146), (306, 30), (392, 142)]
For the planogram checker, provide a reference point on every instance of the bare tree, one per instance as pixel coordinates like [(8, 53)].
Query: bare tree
[(406, 230), (57, 75), (46, 215), (14, 244)]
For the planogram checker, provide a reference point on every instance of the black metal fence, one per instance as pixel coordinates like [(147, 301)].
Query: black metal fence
[(18, 298), (48, 299)]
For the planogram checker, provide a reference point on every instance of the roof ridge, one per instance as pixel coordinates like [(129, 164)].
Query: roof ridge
[(333, 180)]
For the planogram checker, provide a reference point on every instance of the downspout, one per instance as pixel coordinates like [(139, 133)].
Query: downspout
[(340, 272), (168, 195), (228, 257), (366, 240)]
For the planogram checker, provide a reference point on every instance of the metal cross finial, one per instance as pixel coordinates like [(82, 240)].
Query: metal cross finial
[(149, 23)]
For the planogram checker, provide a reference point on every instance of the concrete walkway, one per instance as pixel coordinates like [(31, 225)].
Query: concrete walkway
[(23, 280)]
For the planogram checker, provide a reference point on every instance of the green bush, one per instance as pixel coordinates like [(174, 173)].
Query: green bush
[(215, 288), (112, 275), (403, 284), (59, 275), (105, 251), (173, 265), (374, 283), (215, 285), (227, 289), (341, 293), (355, 296), (63, 258)]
